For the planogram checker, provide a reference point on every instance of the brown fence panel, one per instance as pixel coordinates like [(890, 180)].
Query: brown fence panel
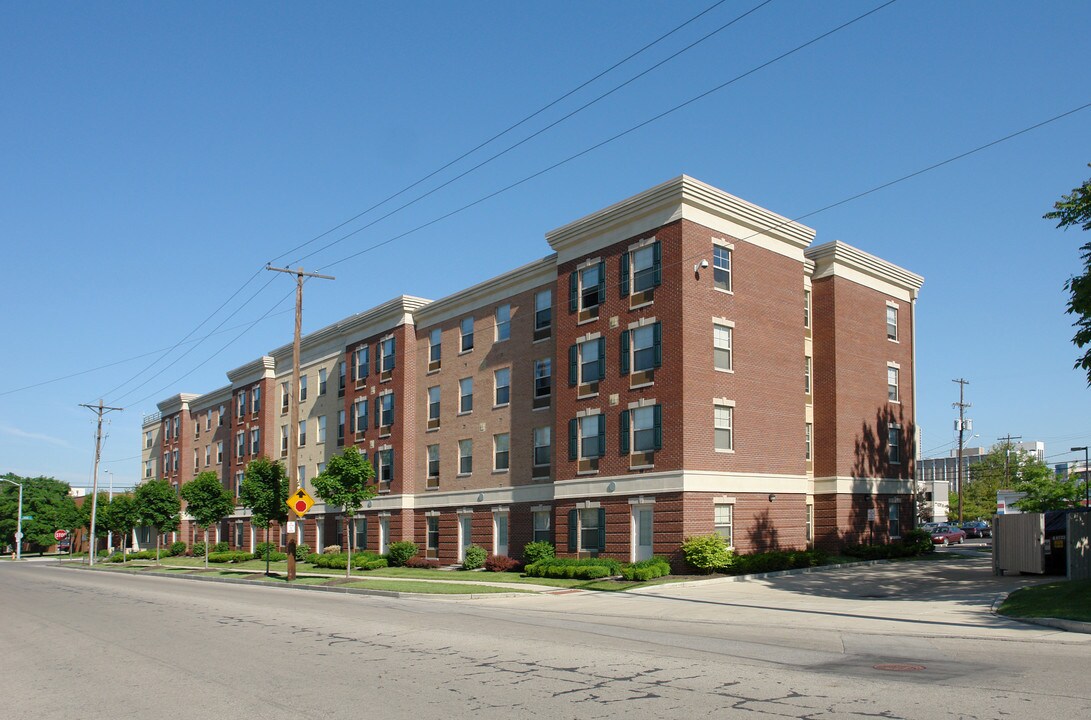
[(1079, 546), (1019, 543)]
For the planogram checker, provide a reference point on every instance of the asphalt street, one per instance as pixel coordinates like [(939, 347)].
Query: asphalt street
[(909, 640)]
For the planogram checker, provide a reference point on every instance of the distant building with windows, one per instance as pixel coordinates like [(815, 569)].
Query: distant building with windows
[(945, 469), (637, 386)]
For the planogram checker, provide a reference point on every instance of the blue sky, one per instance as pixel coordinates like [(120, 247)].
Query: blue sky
[(157, 155)]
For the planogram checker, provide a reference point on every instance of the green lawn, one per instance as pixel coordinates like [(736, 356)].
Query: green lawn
[(1066, 600), (431, 588)]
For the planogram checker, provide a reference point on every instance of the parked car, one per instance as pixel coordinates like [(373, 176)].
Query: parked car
[(977, 529), (947, 535)]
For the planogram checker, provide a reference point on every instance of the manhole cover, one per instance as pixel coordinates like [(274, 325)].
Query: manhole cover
[(898, 667)]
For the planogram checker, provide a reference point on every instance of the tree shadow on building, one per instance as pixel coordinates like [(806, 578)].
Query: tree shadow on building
[(763, 533)]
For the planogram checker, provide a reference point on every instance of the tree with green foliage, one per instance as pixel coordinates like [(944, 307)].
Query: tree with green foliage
[(265, 491), (1047, 491), (122, 518), (207, 502), (345, 483), (158, 506), (1074, 210), (1004, 467), (46, 504), (102, 515)]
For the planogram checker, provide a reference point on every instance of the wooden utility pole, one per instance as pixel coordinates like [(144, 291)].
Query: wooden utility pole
[(100, 410), (961, 423), (293, 397), (1007, 453)]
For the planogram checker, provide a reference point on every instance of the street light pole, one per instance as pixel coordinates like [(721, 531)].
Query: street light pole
[(1086, 477), (18, 521)]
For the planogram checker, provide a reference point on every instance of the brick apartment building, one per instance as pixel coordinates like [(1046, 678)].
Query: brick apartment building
[(683, 363)]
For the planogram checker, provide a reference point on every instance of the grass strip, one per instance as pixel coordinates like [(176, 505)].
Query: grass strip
[(1065, 600), (431, 588)]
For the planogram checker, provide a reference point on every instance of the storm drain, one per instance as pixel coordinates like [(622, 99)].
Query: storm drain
[(898, 667)]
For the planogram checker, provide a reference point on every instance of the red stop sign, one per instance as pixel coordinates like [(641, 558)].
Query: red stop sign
[(60, 534), (301, 506)]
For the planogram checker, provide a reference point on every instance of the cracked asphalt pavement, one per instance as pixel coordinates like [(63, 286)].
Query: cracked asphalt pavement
[(889, 641)]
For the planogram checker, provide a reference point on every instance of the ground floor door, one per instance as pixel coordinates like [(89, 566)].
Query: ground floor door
[(642, 533), (465, 535)]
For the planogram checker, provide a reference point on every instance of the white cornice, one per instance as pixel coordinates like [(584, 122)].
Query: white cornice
[(252, 371), (843, 260), (862, 486), (176, 403), (521, 279), (681, 198)]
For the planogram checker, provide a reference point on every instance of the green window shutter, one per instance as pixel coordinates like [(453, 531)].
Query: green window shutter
[(602, 529), (624, 356), (573, 530), (657, 343), (378, 414), (602, 282), (657, 265), (623, 431), (602, 435), (364, 416), (623, 275), (573, 439), (657, 427), (573, 364), (602, 358), (375, 465), (392, 462), (573, 291)]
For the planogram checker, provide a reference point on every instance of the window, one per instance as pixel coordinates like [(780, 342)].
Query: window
[(321, 381), (166, 462), (894, 444), (196, 428), (433, 466), (892, 383), (360, 527), (810, 522), (641, 350), (807, 375), (220, 416), (431, 547), (147, 468), (465, 457), (340, 427), (284, 397), (543, 313), (721, 268), (894, 521), (892, 322), (178, 423), (722, 336), (220, 452), (386, 357), (240, 444), (466, 331), (196, 459), (722, 516), (255, 400), (542, 526), (586, 290), (806, 308), (208, 455), (723, 422), (240, 404), (433, 407), (340, 379), (208, 420), (587, 365), (360, 363), (465, 395), (322, 429), (587, 527), (640, 269), (255, 441), (543, 382), (239, 477), (319, 468), (301, 475), (384, 468), (148, 439), (302, 433), (642, 431), (435, 349), (808, 430), (542, 446), (384, 413), (502, 378), (359, 417), (587, 440), (500, 446), (174, 459), (283, 440), (503, 322)]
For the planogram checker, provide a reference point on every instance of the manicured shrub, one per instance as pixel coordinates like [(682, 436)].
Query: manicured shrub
[(474, 557), (416, 561), (776, 560), (580, 569), (221, 546), (176, 548), (142, 555), (302, 550), (400, 552), (646, 569), (262, 547), (230, 556), (370, 563), (331, 550), (918, 541), (539, 550), (198, 549), (116, 558), (500, 563), (706, 552)]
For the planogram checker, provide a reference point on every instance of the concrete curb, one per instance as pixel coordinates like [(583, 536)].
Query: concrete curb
[(1067, 625), (756, 576)]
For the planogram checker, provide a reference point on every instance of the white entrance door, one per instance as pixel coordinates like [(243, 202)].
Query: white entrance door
[(384, 535), (642, 533), (500, 537), (465, 535)]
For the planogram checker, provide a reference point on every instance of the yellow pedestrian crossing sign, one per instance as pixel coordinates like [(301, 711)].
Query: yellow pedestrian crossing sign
[(300, 502)]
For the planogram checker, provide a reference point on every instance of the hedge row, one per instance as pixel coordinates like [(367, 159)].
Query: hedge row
[(579, 569), (646, 569)]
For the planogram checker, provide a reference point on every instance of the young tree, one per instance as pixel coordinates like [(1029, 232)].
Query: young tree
[(345, 483), (158, 506), (207, 502), (1004, 467), (1072, 210), (265, 491), (1046, 491), (123, 517)]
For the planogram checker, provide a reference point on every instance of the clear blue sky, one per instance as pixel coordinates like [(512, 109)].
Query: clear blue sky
[(156, 155)]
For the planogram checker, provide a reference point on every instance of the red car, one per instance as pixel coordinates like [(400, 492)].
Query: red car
[(947, 534)]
